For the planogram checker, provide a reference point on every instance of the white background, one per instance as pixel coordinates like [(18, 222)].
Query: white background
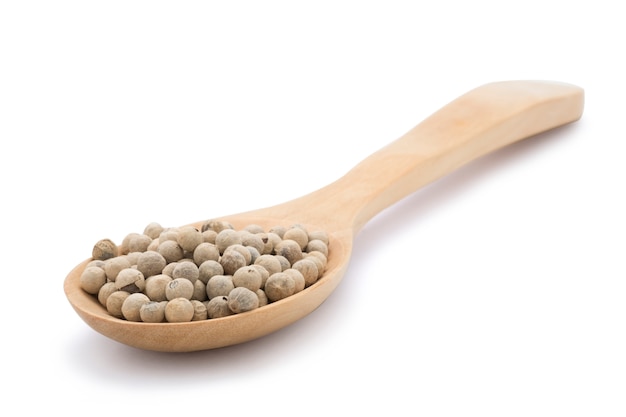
[(499, 290)]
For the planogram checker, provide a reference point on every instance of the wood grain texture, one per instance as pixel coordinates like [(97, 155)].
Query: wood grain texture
[(485, 119)]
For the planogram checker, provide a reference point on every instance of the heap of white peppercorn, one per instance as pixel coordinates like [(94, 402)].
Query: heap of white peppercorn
[(182, 274)]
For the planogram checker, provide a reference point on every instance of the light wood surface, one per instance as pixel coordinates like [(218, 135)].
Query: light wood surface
[(478, 122)]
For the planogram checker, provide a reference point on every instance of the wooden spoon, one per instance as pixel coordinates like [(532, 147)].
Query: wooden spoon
[(482, 120)]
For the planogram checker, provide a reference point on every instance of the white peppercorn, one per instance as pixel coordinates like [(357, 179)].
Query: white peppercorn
[(133, 257), (262, 297), (231, 261), (153, 230), (264, 273), (297, 234), (219, 285), (122, 249), (171, 250), (205, 252), (155, 287), (284, 263), (319, 263), (308, 268), (105, 291), (199, 311), (241, 299), (268, 245), (253, 240), (92, 279), (188, 270), (279, 230), (270, 263), (241, 249), (199, 291), (278, 286), (319, 235), (189, 238), (209, 236), (130, 280), (151, 263), (179, 310), (154, 245), (272, 240), (104, 249), (253, 254), (138, 243), (179, 288), (319, 255), (247, 277), (169, 269), (153, 311), (218, 307), (114, 303), (290, 249), (317, 245), (253, 228), (208, 269), (113, 266), (298, 278), (226, 238), (132, 304), (216, 225), (170, 233)]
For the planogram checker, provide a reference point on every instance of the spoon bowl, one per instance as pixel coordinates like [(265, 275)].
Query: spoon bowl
[(482, 120), (215, 333)]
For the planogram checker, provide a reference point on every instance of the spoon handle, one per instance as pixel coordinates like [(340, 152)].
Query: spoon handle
[(480, 121)]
